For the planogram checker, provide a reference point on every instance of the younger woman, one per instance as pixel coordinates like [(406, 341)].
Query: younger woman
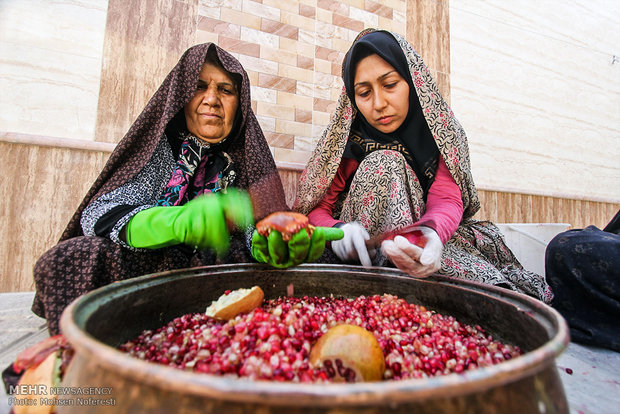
[(394, 156)]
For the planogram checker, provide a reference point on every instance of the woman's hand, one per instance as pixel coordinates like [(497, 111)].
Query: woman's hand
[(413, 260), (299, 249), (352, 247), (201, 223)]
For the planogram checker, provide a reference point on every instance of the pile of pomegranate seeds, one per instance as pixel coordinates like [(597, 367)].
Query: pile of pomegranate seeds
[(273, 341)]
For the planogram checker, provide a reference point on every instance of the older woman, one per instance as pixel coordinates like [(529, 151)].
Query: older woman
[(393, 165), (172, 188)]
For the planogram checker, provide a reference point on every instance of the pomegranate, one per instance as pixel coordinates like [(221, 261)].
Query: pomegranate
[(349, 353), (413, 236), (287, 223)]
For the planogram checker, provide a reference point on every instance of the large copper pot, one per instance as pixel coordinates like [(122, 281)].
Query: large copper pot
[(98, 322)]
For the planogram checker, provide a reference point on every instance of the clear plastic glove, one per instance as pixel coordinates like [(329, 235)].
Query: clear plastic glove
[(413, 260), (352, 247)]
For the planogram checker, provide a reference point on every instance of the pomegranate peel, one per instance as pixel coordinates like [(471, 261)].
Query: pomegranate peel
[(37, 353), (233, 303), (287, 223)]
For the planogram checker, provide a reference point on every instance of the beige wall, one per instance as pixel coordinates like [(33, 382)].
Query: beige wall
[(534, 86), (50, 66), (74, 74)]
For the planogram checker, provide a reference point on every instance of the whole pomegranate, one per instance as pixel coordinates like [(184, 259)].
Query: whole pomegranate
[(349, 353)]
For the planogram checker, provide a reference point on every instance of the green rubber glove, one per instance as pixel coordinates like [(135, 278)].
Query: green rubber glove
[(299, 249), (201, 223)]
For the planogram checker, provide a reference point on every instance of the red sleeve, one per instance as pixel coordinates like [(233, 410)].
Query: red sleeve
[(444, 205), (323, 214)]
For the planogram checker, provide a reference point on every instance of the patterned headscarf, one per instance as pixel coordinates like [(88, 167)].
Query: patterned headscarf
[(412, 138), (445, 129), (256, 169)]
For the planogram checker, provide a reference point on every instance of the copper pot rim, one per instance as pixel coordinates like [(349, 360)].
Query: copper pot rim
[(284, 393)]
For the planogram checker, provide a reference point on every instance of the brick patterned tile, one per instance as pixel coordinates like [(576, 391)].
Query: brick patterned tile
[(292, 100), (235, 45), (280, 29), (305, 89), (208, 10), (324, 105), (400, 17), (322, 91), (356, 3), (264, 94), (278, 55), (235, 16), (231, 4), (335, 92), (306, 143), (328, 54), (323, 15), (386, 23), (298, 47), (260, 37), (307, 37), (262, 10), (206, 37), (369, 19), (305, 62), (323, 66), (275, 111), (307, 11), (267, 123), (293, 51), (280, 140), (258, 65), (334, 6), (294, 128), (289, 6), (291, 155), (400, 5), (293, 72), (336, 69), (320, 118), (343, 21), (302, 115), (277, 82), (219, 27), (342, 44), (296, 20), (377, 8), (253, 76)]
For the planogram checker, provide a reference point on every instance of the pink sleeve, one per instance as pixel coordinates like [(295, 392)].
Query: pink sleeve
[(322, 214), (444, 205)]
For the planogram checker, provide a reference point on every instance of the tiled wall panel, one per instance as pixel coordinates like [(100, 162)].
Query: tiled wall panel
[(295, 49)]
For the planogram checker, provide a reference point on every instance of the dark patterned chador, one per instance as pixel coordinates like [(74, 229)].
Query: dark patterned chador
[(158, 163)]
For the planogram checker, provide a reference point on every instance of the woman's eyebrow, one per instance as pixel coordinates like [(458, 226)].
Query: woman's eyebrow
[(202, 82), (385, 75)]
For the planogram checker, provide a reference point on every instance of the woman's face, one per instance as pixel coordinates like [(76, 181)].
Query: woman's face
[(381, 94), (210, 114)]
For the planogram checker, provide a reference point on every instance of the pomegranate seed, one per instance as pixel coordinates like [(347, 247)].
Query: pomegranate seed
[(274, 341)]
